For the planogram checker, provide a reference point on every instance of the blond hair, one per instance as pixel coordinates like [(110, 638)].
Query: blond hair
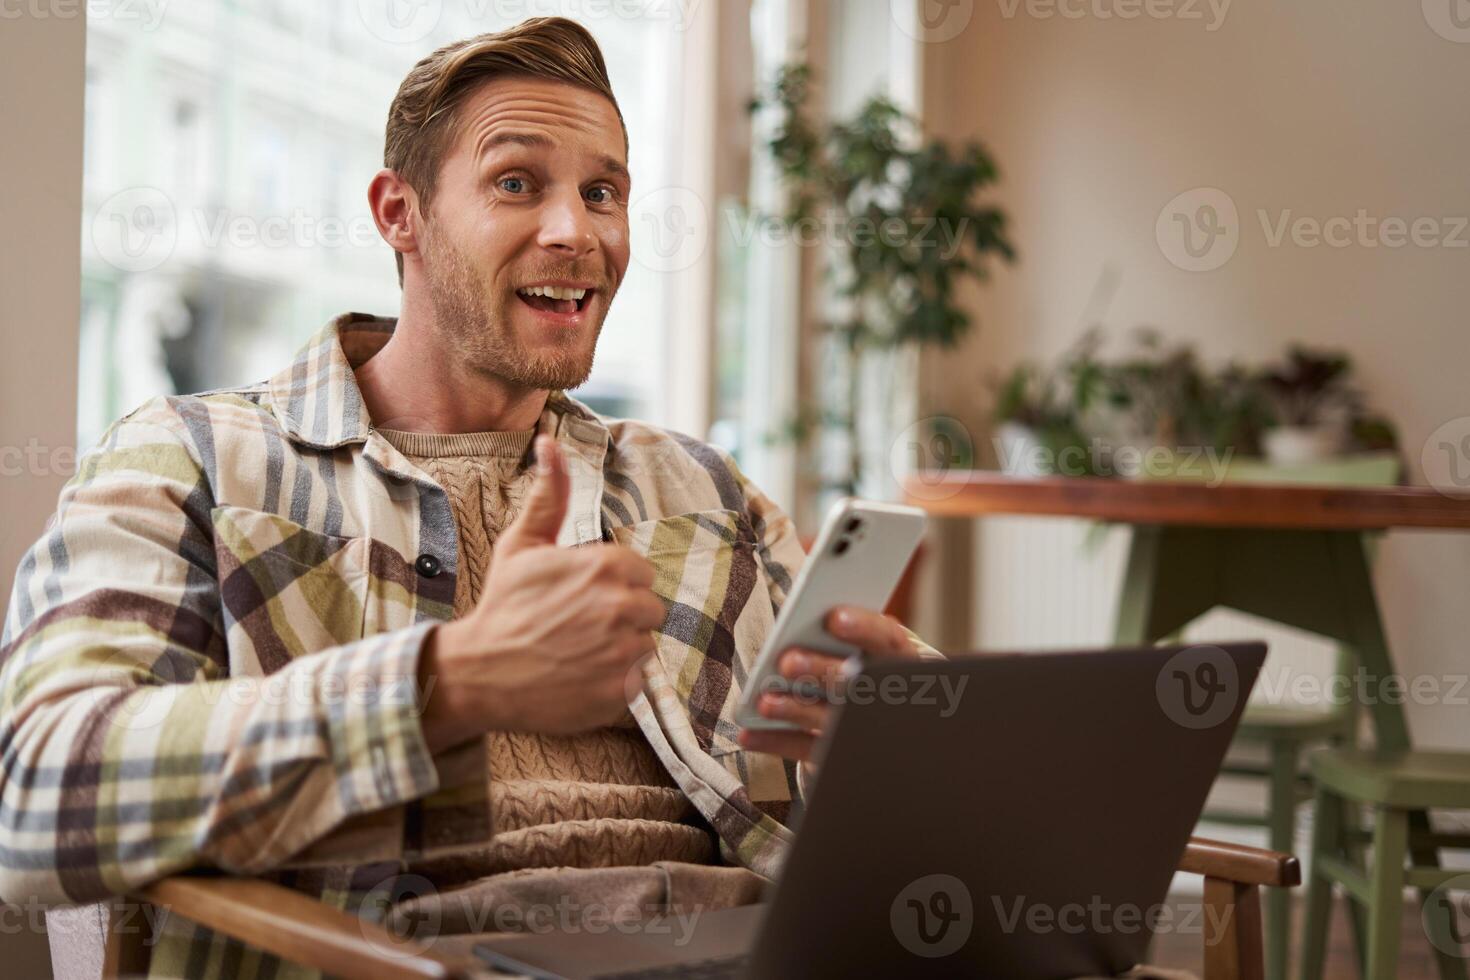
[(421, 120)]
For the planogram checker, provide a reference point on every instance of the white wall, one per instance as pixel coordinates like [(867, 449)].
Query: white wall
[(42, 77), (41, 84), (1323, 109)]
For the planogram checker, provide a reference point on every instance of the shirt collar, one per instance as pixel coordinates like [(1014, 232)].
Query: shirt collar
[(315, 398), (317, 401)]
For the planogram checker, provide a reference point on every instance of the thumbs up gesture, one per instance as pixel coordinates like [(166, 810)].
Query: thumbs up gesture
[(545, 506), (556, 634)]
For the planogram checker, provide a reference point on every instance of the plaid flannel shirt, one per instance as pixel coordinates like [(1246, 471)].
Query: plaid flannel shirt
[(210, 657)]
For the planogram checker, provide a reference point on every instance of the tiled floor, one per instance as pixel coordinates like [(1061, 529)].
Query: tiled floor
[(1181, 951)]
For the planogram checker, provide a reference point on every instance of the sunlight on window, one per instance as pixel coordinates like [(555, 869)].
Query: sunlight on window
[(228, 151)]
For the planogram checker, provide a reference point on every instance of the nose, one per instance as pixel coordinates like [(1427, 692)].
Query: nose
[(566, 226)]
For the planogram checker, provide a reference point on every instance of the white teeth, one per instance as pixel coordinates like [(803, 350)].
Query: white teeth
[(552, 292)]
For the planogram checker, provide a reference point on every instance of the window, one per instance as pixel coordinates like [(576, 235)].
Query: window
[(229, 148)]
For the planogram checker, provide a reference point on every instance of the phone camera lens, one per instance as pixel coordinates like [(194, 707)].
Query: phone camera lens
[(853, 523), (840, 546)]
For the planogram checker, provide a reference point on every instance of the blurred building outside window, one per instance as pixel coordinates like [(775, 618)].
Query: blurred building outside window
[(229, 145)]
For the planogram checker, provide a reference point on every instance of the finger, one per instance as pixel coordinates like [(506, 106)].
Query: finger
[(633, 675), (642, 610), (801, 664), (873, 632), (810, 713), (626, 566), (628, 647), (545, 506), (788, 745)]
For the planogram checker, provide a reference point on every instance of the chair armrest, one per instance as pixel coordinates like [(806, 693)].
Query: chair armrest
[(1238, 863), (1233, 878), (297, 928), (301, 929)]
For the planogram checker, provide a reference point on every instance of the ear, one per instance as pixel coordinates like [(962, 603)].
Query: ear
[(395, 209)]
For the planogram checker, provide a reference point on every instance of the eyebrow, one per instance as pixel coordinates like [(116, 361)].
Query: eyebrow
[(539, 141)]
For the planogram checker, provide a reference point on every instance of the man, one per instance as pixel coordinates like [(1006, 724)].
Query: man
[(406, 606)]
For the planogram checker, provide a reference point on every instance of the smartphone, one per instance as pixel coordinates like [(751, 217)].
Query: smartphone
[(857, 560)]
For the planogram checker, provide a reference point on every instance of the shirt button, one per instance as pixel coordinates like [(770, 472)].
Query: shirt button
[(428, 566)]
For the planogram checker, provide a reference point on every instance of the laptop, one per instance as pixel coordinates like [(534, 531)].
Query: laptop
[(996, 815)]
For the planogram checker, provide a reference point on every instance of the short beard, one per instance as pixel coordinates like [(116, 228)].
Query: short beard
[(482, 341)]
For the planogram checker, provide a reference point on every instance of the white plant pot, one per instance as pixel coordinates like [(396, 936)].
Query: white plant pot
[(1296, 445), (1021, 452)]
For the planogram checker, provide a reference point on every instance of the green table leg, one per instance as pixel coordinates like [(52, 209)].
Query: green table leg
[(1163, 590), (1319, 581), (1362, 629)]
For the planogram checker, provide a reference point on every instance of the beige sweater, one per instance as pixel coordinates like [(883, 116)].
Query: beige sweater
[(600, 799)]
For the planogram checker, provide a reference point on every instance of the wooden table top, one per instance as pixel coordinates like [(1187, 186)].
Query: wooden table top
[(973, 493)]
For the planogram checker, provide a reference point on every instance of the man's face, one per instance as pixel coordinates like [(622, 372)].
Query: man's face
[(532, 198)]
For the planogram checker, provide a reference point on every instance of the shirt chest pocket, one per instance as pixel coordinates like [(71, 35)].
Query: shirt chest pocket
[(286, 590), (710, 576)]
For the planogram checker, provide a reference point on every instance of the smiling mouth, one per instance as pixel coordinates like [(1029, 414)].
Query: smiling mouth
[(555, 299)]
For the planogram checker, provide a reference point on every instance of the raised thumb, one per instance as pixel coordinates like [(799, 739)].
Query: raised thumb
[(545, 506)]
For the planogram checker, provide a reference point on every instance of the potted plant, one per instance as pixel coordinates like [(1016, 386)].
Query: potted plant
[(1230, 413), (1147, 395), (1026, 412), (868, 175), (1038, 412), (1311, 404)]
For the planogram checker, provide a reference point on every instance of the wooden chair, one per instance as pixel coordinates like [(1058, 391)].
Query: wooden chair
[(298, 928)]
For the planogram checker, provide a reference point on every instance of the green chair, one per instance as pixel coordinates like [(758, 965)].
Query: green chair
[(1399, 787)]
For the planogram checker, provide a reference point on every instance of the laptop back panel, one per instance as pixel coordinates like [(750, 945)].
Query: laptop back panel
[(1004, 815)]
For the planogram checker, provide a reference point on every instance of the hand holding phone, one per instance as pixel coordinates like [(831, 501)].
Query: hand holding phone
[(857, 560)]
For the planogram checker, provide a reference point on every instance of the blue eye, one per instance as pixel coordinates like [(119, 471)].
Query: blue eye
[(513, 185), (606, 192)]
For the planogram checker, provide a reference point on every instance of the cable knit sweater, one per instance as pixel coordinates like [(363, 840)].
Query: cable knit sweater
[(599, 799)]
